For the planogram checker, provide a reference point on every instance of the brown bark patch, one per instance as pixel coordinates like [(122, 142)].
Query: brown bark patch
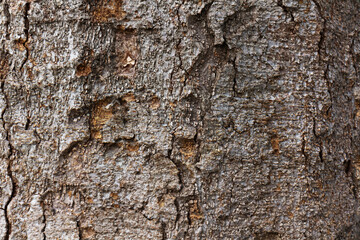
[(187, 147), (132, 147), (4, 67), (129, 97), (87, 233), (83, 69), (275, 143), (89, 200), (114, 196), (100, 115), (155, 103), (195, 212), (106, 10)]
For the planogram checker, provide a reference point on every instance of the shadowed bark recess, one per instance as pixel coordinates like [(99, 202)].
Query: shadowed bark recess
[(210, 119)]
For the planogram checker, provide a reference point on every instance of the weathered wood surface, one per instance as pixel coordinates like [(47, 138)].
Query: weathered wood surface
[(223, 119)]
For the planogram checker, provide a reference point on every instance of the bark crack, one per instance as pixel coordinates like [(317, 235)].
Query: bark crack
[(303, 151), (234, 78), (79, 230), (26, 31), (42, 204), (8, 19), (323, 29), (287, 10), (178, 52), (9, 171), (177, 165), (163, 231)]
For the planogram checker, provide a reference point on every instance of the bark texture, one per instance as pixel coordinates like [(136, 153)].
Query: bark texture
[(179, 119)]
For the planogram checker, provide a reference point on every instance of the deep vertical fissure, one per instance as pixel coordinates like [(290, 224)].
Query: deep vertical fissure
[(26, 32), (9, 165)]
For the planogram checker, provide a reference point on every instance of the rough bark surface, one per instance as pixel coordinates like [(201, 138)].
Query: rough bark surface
[(179, 119)]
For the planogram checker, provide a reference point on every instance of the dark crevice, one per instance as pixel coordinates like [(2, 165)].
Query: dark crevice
[(9, 170), (177, 165), (318, 139), (189, 217), (321, 154), (350, 171), (27, 124), (306, 157), (26, 31), (287, 10), (234, 78), (163, 231), (321, 46), (177, 206), (323, 29), (42, 204), (79, 229), (314, 128), (8, 19), (347, 166), (43, 229)]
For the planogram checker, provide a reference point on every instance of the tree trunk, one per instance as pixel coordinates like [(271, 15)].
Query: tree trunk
[(179, 119)]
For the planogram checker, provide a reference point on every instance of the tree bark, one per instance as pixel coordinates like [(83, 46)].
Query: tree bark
[(179, 119)]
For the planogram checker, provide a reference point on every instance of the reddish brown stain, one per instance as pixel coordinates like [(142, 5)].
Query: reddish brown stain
[(83, 69), (106, 10), (132, 147), (275, 143)]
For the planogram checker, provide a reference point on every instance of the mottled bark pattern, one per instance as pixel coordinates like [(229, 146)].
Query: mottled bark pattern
[(179, 119)]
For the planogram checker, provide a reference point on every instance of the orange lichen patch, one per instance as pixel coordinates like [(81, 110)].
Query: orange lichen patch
[(132, 147), (106, 10), (129, 97), (195, 211), (87, 232), (155, 103), (101, 114), (127, 52), (83, 69), (114, 196), (187, 147)]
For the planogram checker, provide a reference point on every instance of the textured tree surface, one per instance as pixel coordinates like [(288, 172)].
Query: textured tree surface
[(179, 119)]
